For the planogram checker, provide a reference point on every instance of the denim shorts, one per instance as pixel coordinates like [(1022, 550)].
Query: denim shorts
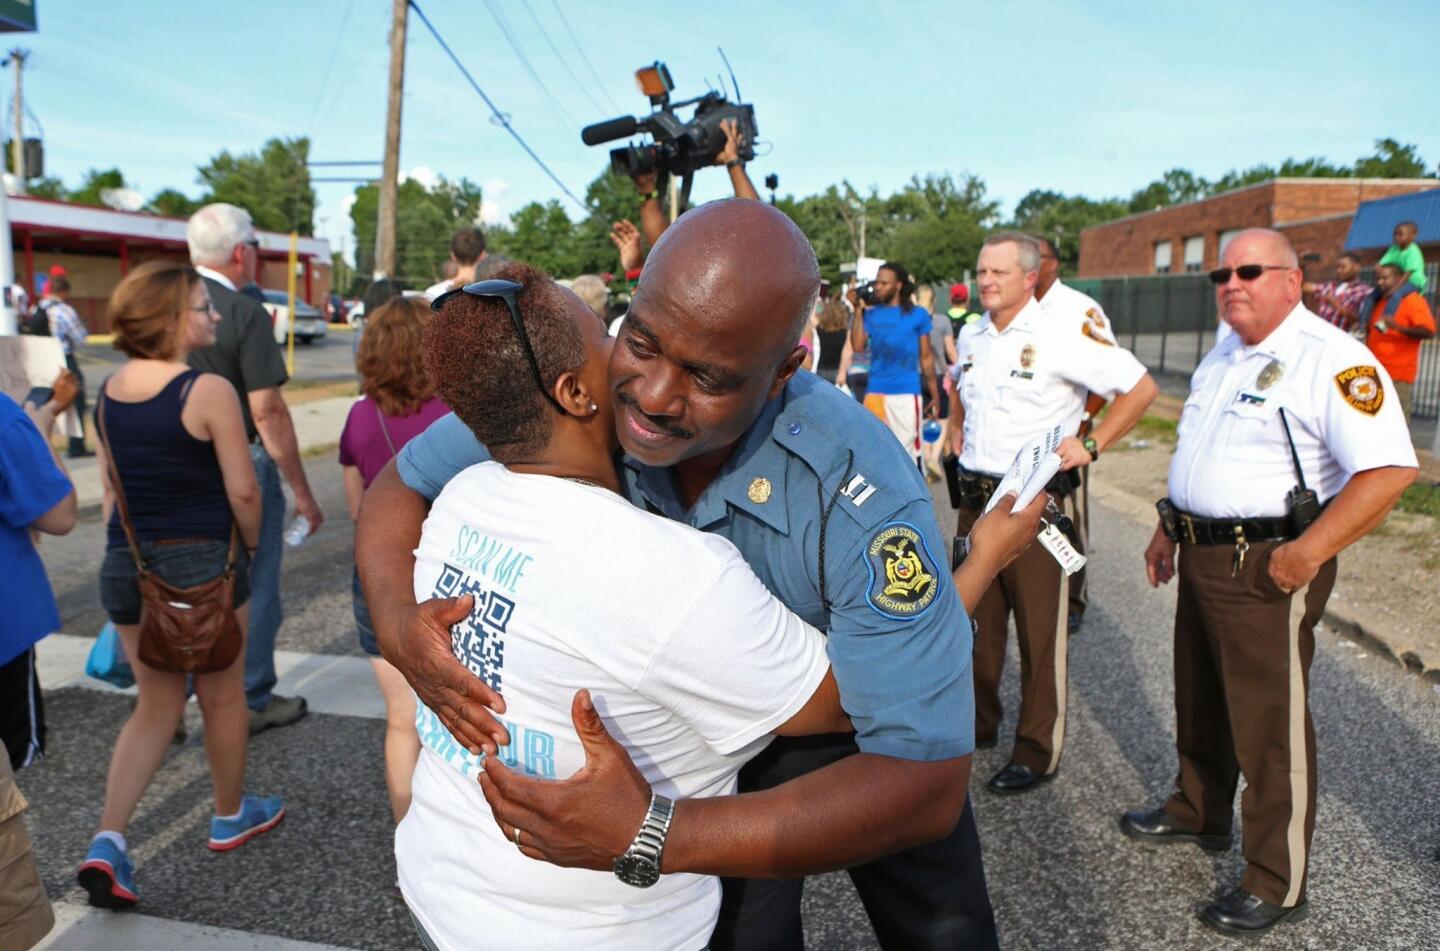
[(183, 564), (363, 626)]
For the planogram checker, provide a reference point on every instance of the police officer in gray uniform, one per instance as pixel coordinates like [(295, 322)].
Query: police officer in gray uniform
[(825, 506)]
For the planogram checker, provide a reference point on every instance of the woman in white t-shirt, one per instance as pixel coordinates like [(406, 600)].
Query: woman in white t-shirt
[(691, 661)]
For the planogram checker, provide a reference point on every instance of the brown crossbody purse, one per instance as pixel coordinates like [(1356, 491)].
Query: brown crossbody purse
[(182, 630)]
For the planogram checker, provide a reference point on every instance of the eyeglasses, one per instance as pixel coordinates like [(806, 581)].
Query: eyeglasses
[(1246, 272), (507, 291)]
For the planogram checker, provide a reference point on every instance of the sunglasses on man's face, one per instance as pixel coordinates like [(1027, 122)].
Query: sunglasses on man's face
[(508, 291), (1246, 272)]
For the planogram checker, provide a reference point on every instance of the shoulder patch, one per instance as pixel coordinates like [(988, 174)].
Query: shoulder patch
[(1088, 329), (1095, 317), (1361, 388), (903, 578)]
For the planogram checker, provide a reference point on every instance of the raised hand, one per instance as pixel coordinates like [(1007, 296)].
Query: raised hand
[(626, 238)]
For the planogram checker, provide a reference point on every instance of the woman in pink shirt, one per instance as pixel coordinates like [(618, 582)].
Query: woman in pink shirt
[(397, 402)]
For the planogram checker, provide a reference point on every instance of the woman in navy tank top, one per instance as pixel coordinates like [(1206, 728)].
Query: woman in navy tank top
[(178, 443)]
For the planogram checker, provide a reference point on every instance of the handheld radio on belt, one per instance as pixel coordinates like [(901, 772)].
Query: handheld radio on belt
[(1302, 505)]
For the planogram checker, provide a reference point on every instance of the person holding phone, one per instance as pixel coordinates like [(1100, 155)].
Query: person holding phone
[(36, 497)]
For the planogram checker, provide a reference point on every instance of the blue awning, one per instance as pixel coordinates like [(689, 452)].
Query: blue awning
[(1374, 223)]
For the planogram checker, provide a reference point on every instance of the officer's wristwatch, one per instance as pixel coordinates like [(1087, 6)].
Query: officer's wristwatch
[(1092, 447), (640, 865)]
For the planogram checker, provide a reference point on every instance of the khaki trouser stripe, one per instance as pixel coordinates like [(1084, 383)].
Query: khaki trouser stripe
[(1299, 766), (1062, 648)]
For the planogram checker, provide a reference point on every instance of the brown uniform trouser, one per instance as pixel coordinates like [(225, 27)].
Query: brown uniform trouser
[(25, 914), (1242, 684), (1034, 588)]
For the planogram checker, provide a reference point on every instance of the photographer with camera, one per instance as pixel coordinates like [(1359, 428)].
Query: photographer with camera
[(653, 219), (898, 335)]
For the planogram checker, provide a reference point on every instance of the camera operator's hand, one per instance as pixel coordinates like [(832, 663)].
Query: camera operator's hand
[(645, 183), (626, 238), (734, 142)]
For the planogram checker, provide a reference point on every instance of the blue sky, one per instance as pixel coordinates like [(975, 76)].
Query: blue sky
[(1094, 98)]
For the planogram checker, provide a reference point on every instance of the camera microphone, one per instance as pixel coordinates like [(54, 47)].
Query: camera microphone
[(609, 130)]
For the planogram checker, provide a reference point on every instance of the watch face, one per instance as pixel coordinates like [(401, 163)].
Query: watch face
[(637, 871)]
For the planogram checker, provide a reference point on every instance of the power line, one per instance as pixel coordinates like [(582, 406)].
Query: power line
[(329, 65), (545, 34), (499, 117), (514, 45), (581, 50)]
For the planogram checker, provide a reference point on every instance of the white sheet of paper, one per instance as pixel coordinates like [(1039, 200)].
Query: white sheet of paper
[(1034, 466)]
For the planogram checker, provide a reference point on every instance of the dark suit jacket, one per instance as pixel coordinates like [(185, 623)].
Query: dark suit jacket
[(245, 352)]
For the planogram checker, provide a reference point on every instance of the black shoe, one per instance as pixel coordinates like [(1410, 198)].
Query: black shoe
[(280, 711), (985, 744), (1015, 778), (1243, 914), (1156, 827), (1074, 621)]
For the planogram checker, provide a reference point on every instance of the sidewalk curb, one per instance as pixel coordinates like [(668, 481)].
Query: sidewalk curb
[(1423, 662)]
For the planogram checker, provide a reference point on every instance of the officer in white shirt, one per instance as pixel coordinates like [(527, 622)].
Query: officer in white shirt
[(1022, 372), (1057, 297), (1291, 446)]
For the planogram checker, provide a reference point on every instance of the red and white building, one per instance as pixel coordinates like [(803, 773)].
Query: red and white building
[(98, 246)]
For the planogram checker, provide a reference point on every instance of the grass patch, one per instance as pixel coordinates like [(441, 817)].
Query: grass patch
[(308, 391), (324, 449), (1420, 500)]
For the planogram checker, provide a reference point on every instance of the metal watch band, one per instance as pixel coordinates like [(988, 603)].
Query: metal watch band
[(649, 842)]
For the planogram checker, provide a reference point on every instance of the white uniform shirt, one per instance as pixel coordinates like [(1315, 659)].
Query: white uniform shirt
[(1017, 384), (1063, 299), (691, 661), (1233, 461)]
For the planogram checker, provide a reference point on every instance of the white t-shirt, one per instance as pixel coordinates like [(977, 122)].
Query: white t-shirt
[(435, 290), (691, 663)]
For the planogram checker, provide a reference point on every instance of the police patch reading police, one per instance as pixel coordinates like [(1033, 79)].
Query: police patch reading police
[(1362, 388), (902, 573)]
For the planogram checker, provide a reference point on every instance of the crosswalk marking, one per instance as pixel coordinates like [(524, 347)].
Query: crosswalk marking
[(330, 683)]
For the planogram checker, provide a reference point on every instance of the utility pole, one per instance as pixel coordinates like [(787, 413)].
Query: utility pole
[(390, 171), (862, 232), (17, 147)]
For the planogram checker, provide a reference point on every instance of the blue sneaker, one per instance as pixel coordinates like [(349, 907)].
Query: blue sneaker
[(108, 876), (258, 814)]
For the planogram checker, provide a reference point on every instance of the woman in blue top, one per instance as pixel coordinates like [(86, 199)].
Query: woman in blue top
[(178, 444)]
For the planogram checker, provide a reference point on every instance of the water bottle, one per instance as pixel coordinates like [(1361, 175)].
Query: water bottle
[(298, 531), (930, 432)]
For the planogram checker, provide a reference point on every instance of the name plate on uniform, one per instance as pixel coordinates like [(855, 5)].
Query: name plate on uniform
[(1060, 548)]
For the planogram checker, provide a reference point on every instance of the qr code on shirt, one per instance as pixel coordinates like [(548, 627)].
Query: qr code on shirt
[(479, 640)]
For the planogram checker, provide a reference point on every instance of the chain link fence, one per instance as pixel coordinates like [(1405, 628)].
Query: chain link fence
[(1169, 322)]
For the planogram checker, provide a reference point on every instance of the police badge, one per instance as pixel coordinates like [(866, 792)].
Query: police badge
[(1270, 375)]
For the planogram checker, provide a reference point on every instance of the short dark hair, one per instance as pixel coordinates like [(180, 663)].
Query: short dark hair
[(1391, 267), (474, 359), (1408, 224), (1048, 246), (1351, 255), (59, 284), (466, 245)]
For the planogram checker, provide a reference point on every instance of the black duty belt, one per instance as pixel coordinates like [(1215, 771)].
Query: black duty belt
[(1198, 530), (977, 487)]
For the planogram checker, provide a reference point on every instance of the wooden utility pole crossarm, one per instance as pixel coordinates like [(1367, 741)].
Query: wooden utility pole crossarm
[(390, 172)]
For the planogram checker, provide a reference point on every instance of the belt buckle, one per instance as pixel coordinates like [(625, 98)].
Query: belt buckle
[(1189, 522)]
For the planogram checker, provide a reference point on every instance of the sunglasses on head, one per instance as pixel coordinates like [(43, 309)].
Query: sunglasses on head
[(507, 291), (1246, 272)]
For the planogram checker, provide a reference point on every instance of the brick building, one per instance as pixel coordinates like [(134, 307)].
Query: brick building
[(1315, 213), (98, 246)]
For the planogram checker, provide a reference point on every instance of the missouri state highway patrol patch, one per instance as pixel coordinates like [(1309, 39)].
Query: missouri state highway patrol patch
[(1362, 388), (903, 579)]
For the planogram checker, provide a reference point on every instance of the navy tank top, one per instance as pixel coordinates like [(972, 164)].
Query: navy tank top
[(172, 480)]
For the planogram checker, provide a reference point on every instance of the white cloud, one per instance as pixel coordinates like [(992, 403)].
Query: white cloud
[(424, 174), (492, 210)]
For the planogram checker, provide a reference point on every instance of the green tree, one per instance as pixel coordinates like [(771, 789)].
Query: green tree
[(1061, 218), (1176, 186), (51, 188), (425, 219), (173, 204), (94, 182), (1391, 160), (273, 185)]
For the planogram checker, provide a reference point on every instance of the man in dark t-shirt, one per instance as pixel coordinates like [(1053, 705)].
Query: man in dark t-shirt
[(225, 251)]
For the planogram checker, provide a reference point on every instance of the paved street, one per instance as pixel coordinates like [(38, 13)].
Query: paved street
[(1060, 873)]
